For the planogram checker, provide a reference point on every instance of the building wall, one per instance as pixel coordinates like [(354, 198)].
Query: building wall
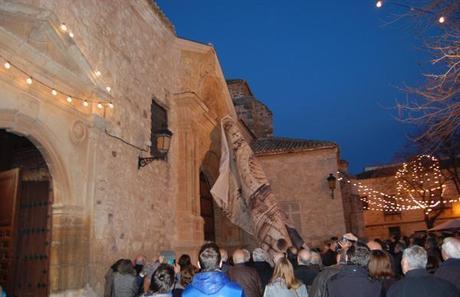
[(299, 183), (377, 223), (239, 88), (105, 208), (256, 116)]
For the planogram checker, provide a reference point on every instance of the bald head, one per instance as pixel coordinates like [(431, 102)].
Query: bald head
[(247, 255), (374, 245), (304, 257), (238, 256), (223, 255)]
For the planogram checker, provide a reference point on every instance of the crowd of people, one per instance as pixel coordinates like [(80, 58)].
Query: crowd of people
[(416, 266)]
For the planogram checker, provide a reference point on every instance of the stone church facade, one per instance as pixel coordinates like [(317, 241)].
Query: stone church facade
[(96, 204)]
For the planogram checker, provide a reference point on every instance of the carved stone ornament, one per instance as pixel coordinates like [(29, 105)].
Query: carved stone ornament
[(78, 132)]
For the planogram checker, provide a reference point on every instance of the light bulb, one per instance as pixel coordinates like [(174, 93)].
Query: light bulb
[(29, 80), (69, 99), (63, 27), (110, 104), (100, 106), (441, 19), (53, 92), (71, 35), (108, 89), (85, 103), (379, 3), (7, 65), (97, 73)]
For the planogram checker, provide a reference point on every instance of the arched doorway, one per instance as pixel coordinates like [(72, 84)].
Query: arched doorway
[(25, 224), (207, 208)]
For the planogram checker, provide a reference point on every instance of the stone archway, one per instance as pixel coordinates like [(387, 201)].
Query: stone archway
[(69, 230), (42, 138), (25, 229)]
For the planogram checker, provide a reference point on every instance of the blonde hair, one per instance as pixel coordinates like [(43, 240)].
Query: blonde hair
[(284, 271)]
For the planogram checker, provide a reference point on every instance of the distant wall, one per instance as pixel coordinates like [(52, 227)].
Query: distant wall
[(299, 183)]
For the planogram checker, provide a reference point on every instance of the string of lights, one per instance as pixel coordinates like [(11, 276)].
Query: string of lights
[(440, 18), (54, 91), (419, 185)]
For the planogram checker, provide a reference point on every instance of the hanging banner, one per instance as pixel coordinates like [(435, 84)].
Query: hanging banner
[(244, 194)]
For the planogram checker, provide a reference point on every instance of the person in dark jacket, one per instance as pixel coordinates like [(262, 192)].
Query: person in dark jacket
[(353, 280), (319, 286), (417, 282), (304, 272), (291, 254), (124, 280), (262, 266), (380, 268), (246, 277), (108, 286), (211, 282), (329, 256), (450, 268)]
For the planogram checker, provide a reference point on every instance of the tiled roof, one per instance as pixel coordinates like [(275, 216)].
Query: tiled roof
[(279, 145), (378, 172), (235, 80), (391, 169)]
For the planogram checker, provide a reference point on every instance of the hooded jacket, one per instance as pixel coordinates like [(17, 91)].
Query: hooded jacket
[(212, 284)]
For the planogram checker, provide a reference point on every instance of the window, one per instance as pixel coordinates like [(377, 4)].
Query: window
[(159, 119), (394, 231)]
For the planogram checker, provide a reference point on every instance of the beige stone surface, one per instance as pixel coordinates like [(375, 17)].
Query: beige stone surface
[(104, 207), (299, 183)]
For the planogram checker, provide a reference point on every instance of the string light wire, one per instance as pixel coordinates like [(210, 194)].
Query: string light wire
[(54, 91)]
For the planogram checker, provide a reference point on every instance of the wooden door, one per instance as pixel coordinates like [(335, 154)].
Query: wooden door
[(8, 220), (207, 209), (32, 252)]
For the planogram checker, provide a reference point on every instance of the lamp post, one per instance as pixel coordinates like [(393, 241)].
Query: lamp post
[(162, 143), (331, 180)]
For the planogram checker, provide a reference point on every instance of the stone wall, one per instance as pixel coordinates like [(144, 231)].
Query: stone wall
[(253, 113), (352, 206), (105, 208), (239, 88), (299, 183)]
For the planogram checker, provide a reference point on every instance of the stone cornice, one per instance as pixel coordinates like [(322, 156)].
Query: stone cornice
[(192, 102), (295, 152), (193, 46)]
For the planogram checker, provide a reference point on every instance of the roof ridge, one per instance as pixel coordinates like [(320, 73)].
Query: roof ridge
[(274, 144), (294, 139)]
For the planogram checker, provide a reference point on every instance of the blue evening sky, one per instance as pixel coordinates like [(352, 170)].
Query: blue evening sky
[(329, 70)]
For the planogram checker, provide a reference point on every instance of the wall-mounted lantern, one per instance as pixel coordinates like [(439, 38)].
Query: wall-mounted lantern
[(331, 180), (162, 143)]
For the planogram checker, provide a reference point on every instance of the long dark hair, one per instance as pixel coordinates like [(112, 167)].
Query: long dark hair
[(125, 267), (184, 261), (114, 266)]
